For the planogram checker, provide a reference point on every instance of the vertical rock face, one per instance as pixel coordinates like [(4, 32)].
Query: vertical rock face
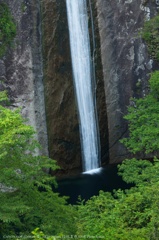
[(125, 60), (61, 112), (126, 67), (21, 68), (21, 73), (100, 92)]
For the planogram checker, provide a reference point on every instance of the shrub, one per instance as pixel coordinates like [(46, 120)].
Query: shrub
[(150, 34), (26, 196), (143, 120)]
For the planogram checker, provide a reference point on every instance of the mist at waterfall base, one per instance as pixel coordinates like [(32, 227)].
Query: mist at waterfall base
[(89, 184)]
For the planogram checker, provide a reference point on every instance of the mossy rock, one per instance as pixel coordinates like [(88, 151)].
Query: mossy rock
[(150, 34), (7, 28)]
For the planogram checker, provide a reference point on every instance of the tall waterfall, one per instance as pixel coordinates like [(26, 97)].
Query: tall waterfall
[(83, 81)]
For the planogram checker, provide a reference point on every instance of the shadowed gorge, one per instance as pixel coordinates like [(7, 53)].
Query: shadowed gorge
[(73, 74), (37, 73), (61, 110)]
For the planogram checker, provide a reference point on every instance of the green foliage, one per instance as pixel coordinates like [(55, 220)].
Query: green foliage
[(39, 235), (134, 213), (143, 118), (26, 195), (7, 28), (150, 34), (131, 214), (154, 84), (3, 97)]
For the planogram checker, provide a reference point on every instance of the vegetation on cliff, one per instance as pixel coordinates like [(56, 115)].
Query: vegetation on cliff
[(150, 33), (143, 119), (7, 28)]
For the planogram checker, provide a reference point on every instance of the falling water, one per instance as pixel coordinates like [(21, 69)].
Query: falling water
[(83, 74)]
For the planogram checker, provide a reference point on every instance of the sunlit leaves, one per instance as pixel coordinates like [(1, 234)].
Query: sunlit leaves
[(26, 196), (143, 120)]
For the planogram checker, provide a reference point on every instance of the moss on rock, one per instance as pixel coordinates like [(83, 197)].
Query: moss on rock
[(7, 28)]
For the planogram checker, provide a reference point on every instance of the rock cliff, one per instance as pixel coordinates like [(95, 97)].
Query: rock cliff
[(37, 73), (61, 107), (126, 63), (61, 112), (21, 69)]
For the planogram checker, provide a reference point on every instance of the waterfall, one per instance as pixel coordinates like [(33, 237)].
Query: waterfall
[(83, 81)]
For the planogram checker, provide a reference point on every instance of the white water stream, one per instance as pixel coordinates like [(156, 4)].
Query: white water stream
[(83, 77)]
